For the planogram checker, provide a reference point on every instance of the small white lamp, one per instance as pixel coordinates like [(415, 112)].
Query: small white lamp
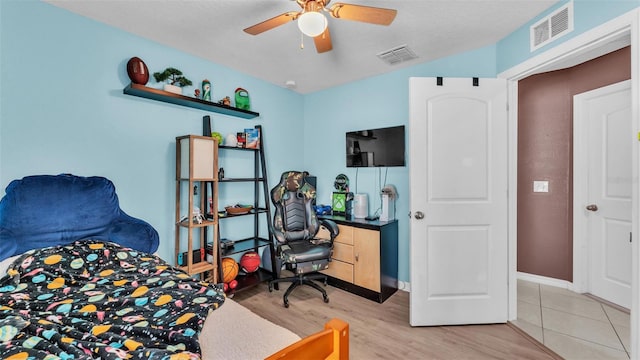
[(312, 23)]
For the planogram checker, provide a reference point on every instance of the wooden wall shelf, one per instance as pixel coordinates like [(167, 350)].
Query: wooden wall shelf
[(171, 98)]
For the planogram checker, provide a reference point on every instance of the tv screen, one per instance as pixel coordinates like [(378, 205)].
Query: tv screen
[(376, 147)]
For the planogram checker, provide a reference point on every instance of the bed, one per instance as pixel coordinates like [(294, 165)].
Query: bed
[(73, 285)]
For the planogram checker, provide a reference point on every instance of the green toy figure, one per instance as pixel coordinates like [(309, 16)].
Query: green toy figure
[(242, 99), (206, 90)]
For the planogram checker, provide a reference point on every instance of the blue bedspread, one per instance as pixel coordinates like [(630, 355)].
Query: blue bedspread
[(95, 299)]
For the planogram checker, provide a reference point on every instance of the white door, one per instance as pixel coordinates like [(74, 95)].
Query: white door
[(458, 183), (606, 208)]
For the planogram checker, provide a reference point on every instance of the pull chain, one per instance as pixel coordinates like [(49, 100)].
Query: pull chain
[(301, 41)]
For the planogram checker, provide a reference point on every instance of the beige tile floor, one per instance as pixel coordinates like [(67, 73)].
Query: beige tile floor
[(573, 325)]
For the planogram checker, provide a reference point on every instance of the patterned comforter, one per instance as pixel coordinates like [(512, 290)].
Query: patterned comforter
[(97, 299)]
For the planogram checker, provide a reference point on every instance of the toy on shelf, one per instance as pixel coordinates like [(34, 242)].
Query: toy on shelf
[(230, 269), (250, 261), (225, 101), (242, 99), (137, 71), (206, 90)]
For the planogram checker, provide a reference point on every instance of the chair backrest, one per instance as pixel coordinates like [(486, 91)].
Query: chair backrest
[(294, 217), (48, 210)]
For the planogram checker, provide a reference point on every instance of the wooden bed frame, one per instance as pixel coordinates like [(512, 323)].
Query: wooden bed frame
[(332, 343)]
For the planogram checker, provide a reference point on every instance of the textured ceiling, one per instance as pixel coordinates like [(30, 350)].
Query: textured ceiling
[(432, 29)]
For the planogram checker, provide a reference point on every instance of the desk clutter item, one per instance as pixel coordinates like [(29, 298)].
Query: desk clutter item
[(388, 196), (341, 183), (323, 209), (360, 206), (342, 203)]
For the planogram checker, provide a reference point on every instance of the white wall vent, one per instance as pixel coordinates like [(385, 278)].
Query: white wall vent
[(559, 23), (397, 55)]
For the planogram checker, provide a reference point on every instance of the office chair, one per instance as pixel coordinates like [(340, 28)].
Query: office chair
[(295, 227)]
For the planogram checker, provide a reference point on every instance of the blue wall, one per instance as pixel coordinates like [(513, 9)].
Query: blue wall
[(62, 110)]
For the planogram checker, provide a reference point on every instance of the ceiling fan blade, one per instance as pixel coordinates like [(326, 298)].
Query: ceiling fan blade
[(323, 41), (272, 23), (368, 14)]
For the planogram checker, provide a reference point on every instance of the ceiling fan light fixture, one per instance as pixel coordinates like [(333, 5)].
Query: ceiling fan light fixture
[(312, 23)]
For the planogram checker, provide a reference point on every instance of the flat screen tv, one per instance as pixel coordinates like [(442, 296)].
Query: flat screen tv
[(376, 147)]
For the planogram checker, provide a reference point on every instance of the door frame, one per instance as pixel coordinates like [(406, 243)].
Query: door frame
[(598, 41), (581, 280)]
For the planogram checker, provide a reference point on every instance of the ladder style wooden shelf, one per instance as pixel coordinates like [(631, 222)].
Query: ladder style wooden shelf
[(182, 100), (196, 166), (252, 240)]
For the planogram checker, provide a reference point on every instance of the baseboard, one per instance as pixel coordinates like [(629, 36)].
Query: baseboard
[(404, 286), (608, 303), (564, 284)]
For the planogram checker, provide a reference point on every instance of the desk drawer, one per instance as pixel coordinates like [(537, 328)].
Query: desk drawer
[(340, 270), (343, 252), (346, 235)]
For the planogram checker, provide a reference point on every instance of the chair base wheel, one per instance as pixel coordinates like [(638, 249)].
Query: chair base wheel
[(299, 280)]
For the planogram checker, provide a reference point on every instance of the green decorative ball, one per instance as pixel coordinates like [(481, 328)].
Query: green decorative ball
[(217, 136)]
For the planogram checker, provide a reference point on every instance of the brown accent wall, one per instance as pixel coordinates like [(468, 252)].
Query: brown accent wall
[(545, 152)]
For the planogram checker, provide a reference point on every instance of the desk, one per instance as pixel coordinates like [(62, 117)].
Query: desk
[(365, 257)]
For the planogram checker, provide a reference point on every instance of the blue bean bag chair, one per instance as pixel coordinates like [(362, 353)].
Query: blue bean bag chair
[(48, 210)]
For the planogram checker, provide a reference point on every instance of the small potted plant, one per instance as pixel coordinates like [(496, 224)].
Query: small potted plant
[(175, 80)]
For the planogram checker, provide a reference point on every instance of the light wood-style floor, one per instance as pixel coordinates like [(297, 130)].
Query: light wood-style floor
[(382, 331)]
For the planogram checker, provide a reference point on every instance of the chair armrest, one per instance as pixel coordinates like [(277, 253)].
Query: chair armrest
[(331, 226)]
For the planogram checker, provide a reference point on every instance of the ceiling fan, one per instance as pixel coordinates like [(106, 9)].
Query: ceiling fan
[(313, 23)]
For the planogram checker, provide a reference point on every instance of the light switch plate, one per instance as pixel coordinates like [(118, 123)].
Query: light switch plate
[(540, 186)]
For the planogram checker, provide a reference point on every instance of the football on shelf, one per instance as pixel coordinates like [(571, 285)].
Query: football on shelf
[(250, 261), (137, 71)]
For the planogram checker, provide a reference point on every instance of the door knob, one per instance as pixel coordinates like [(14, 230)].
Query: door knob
[(592, 207), (419, 215)]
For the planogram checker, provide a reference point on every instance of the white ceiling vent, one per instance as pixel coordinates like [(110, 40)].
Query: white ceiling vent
[(397, 55), (552, 27)]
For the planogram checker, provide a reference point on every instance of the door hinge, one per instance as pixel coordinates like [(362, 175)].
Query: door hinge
[(630, 238)]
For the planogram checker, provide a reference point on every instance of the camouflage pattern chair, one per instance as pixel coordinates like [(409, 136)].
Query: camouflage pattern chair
[(295, 227)]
